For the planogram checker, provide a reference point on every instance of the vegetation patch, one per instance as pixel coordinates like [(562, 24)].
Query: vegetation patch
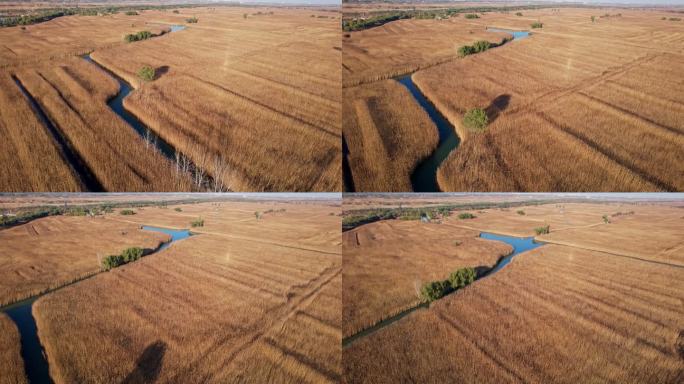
[(131, 13), (471, 16), (542, 230), (192, 20), (458, 279), (142, 35), (476, 120), (521, 212), (199, 222), (466, 216), (127, 256), (537, 25), (127, 212), (147, 73)]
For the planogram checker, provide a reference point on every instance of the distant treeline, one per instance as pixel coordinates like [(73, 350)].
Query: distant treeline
[(353, 219), (28, 17), (357, 22), (25, 215)]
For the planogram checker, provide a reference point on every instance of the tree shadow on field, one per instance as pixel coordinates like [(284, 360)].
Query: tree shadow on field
[(482, 271), (498, 105), (148, 366), (161, 71)]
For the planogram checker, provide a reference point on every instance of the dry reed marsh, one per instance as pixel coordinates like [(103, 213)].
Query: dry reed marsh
[(386, 134), (555, 314), (54, 251), (235, 95), (257, 304), (386, 263), (11, 364), (588, 114)]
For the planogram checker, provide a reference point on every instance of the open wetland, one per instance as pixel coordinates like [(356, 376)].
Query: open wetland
[(549, 99), (550, 291), (221, 289)]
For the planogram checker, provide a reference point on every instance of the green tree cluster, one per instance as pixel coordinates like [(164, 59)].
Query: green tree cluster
[(127, 256), (458, 279), (476, 119), (142, 35)]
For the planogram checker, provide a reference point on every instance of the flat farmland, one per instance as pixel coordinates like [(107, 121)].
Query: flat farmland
[(11, 365), (556, 314), (586, 115), (54, 251), (386, 134), (386, 263), (232, 95), (244, 299)]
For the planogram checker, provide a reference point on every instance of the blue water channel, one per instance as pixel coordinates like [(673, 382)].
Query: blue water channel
[(424, 177), (519, 244), (35, 362)]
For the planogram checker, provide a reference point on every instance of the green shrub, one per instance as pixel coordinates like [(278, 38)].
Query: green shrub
[(465, 51), (675, 19), (146, 73), (257, 214), (457, 243), (471, 16), (518, 14), (131, 254), (175, 11), (112, 261), (521, 212), (461, 278), (131, 13), (434, 290), (466, 215), (536, 25), (593, 18), (127, 212), (606, 220), (476, 119), (191, 20), (542, 230), (197, 223), (142, 35), (177, 209), (481, 46)]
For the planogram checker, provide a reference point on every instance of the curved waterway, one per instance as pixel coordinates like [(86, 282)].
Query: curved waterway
[(424, 177), (35, 363), (116, 104), (519, 244)]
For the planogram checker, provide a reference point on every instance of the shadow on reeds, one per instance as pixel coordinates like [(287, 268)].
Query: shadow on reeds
[(161, 71), (498, 105), (149, 364)]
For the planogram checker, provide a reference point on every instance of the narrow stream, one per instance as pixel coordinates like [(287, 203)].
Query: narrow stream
[(424, 177), (35, 362), (116, 104), (519, 244)]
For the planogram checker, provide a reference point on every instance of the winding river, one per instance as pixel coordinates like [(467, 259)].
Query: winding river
[(116, 104), (519, 244), (35, 362), (424, 177)]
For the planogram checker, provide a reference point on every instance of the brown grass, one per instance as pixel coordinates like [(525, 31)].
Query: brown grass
[(54, 251), (244, 300), (387, 134), (386, 263), (11, 364), (555, 314), (224, 86), (588, 115), (405, 46), (30, 160), (231, 83)]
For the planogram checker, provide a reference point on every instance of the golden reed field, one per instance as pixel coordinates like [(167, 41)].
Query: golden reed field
[(249, 99), (244, 299), (11, 365), (576, 106), (597, 302)]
